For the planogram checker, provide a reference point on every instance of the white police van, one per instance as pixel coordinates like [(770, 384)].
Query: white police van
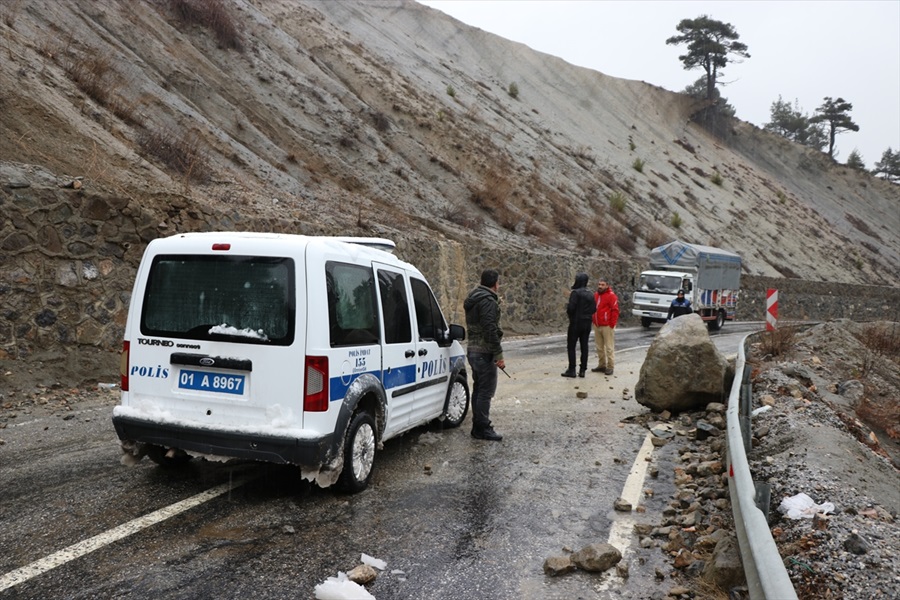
[(283, 348)]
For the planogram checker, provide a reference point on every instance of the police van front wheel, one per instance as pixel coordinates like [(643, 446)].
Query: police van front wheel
[(457, 403), (359, 453)]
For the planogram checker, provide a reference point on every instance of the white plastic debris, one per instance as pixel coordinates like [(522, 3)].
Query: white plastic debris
[(341, 588), (373, 562), (760, 410), (802, 506)]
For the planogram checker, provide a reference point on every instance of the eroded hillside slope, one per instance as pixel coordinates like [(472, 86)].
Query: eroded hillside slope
[(388, 117)]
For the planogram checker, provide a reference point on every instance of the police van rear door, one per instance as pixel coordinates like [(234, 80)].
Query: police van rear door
[(216, 323)]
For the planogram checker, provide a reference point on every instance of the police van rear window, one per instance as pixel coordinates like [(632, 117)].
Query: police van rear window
[(243, 299)]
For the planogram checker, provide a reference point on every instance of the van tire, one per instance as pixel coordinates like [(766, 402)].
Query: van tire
[(359, 453), (645, 322), (158, 455), (457, 403)]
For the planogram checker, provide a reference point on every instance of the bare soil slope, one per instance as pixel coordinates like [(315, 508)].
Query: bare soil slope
[(387, 117)]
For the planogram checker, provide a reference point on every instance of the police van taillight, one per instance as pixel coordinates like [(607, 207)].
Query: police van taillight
[(123, 365), (315, 392)]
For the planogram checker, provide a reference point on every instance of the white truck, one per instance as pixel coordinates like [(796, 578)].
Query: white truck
[(710, 278)]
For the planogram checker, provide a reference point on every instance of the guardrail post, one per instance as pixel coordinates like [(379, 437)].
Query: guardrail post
[(746, 398), (762, 497)]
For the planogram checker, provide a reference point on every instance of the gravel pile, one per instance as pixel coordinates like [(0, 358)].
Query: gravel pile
[(809, 440), (809, 444)]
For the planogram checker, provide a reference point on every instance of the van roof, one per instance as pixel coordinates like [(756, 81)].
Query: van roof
[(200, 241), (371, 242)]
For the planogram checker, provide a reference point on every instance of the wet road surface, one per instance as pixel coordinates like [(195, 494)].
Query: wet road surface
[(452, 517)]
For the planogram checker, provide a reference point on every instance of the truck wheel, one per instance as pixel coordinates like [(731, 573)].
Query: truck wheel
[(159, 455), (717, 324), (359, 453), (645, 322), (457, 404)]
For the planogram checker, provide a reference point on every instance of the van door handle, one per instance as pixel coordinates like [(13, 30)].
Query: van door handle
[(423, 352), (410, 354)]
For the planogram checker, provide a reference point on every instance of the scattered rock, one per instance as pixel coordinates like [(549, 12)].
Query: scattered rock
[(597, 557), (856, 544), (362, 574), (622, 505), (558, 565)]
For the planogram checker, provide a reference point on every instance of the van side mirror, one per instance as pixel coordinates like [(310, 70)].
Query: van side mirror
[(457, 332)]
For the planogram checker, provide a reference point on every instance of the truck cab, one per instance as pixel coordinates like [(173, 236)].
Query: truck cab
[(655, 292)]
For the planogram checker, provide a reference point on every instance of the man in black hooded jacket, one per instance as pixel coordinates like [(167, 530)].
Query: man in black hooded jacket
[(580, 310)]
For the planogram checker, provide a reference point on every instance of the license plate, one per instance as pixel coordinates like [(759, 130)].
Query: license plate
[(211, 382)]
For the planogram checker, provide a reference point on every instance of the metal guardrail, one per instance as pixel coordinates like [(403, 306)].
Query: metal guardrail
[(767, 578)]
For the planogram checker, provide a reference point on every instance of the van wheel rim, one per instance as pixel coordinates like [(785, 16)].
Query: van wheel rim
[(457, 402), (363, 451)]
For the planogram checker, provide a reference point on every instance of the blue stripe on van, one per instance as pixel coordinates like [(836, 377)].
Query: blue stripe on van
[(395, 378), (399, 376)]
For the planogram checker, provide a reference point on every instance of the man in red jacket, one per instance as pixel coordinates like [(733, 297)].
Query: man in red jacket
[(604, 322)]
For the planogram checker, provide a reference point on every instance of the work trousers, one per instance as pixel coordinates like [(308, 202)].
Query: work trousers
[(605, 340), (484, 384)]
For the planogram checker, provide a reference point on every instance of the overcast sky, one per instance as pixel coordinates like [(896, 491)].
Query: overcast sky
[(802, 51)]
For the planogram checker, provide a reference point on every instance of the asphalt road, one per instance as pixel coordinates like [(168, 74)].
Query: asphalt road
[(452, 517)]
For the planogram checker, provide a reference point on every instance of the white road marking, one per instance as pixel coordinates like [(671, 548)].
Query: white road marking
[(623, 526), (87, 546)]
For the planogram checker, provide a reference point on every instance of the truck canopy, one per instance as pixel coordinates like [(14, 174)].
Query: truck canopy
[(715, 268)]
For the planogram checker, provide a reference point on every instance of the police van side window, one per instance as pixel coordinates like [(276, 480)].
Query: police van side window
[(352, 314), (429, 319), (394, 308)]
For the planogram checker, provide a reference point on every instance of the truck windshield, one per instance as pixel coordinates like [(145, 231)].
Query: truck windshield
[(661, 284), (245, 299)]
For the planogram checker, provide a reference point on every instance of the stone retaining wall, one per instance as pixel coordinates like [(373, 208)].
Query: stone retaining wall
[(68, 258)]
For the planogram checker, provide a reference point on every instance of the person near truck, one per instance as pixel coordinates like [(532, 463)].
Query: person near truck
[(680, 306), (605, 320), (484, 351), (580, 310)]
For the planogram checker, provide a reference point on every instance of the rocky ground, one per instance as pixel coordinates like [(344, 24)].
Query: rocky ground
[(831, 433), (826, 403)]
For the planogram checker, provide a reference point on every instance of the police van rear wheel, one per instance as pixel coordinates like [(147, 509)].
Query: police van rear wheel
[(359, 453), (457, 403)]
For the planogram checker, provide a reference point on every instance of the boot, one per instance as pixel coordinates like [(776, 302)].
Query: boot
[(582, 371), (569, 373), (598, 369)]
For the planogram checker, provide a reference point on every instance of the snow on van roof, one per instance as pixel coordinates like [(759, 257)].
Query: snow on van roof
[(383, 244), (371, 242)]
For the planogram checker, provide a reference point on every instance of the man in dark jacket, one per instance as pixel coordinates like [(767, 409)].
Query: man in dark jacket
[(580, 310), (484, 351), (680, 306)]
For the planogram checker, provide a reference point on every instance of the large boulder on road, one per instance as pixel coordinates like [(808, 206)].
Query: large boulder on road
[(683, 369)]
